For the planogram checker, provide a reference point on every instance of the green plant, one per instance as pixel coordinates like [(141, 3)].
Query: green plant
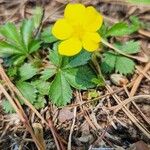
[(18, 44), (114, 61), (7, 106), (42, 74), (122, 28), (69, 72)]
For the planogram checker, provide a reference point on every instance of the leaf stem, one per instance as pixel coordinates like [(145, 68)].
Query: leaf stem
[(97, 66)]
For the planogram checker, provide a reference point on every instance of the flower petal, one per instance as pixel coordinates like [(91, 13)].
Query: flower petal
[(91, 41), (70, 47), (75, 13), (93, 19), (62, 29)]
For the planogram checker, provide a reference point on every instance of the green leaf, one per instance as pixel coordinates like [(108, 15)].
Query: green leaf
[(118, 63), (108, 62), (103, 30), (122, 28), (11, 34), (60, 91), (28, 91), (7, 107), (93, 94), (7, 49), (41, 86), (99, 81), (47, 36), (54, 57), (27, 71), (18, 43), (80, 77), (135, 21), (146, 2), (26, 32), (37, 16), (40, 102), (130, 47), (34, 46), (118, 29), (78, 60), (14, 60), (48, 73), (17, 60), (124, 65), (12, 71)]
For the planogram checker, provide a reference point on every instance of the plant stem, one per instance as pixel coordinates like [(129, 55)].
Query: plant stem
[(97, 66)]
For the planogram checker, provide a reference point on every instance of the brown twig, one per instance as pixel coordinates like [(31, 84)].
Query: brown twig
[(17, 92), (141, 59), (135, 87), (145, 33), (22, 116), (139, 79), (58, 142), (129, 114), (71, 130)]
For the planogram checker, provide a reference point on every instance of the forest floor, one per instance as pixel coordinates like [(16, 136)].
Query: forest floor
[(117, 118)]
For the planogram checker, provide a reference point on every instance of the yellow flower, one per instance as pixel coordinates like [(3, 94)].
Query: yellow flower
[(78, 29)]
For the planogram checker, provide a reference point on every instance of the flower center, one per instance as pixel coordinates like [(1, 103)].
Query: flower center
[(78, 31)]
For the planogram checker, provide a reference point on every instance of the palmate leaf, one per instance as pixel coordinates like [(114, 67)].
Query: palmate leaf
[(81, 59), (17, 59), (40, 102), (136, 22), (47, 37), (27, 71), (118, 29), (37, 16), (80, 77), (118, 63), (28, 91), (109, 61), (60, 91), (11, 34), (34, 46), (12, 72), (48, 73), (7, 106), (54, 57), (122, 28), (103, 30), (130, 47), (30, 43), (68, 62), (41, 86), (113, 61), (26, 32), (69, 72), (7, 49), (18, 43), (124, 65)]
